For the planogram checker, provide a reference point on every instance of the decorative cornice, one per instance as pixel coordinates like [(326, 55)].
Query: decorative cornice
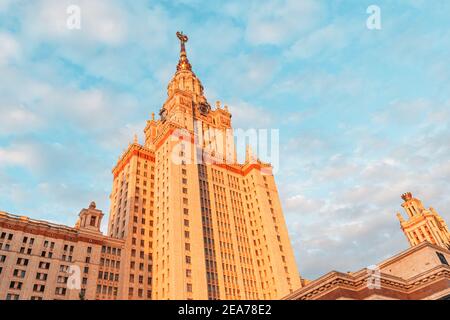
[(52, 230)]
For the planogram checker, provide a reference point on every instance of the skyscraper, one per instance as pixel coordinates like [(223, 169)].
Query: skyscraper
[(423, 224), (197, 224)]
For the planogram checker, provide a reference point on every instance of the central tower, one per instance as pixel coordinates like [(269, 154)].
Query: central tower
[(198, 224)]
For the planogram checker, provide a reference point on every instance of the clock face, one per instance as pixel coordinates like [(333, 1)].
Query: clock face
[(204, 108)]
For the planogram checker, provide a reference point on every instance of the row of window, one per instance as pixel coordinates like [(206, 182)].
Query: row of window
[(17, 285), (7, 236)]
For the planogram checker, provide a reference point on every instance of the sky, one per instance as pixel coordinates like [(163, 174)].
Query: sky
[(363, 115)]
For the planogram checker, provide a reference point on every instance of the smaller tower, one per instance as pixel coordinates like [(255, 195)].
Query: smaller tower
[(423, 224), (90, 219)]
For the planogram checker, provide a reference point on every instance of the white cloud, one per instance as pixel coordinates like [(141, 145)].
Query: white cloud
[(15, 120), (301, 201), (4, 4), (101, 20), (276, 22), (330, 38), (341, 207), (246, 116), (22, 155), (9, 48)]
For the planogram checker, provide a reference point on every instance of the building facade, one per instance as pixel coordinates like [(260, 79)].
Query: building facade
[(423, 224), (420, 273), (45, 261), (187, 221), (199, 225)]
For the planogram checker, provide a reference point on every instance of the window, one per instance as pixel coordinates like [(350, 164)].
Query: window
[(189, 287), (19, 273), (41, 276), (38, 288), (22, 262), (62, 279), (60, 291), (12, 296), (442, 258), (15, 285)]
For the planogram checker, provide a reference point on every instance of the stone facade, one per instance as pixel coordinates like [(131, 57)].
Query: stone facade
[(202, 226), (420, 273), (41, 260)]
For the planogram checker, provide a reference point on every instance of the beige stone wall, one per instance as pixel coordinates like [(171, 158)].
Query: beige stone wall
[(413, 264), (131, 219), (40, 255)]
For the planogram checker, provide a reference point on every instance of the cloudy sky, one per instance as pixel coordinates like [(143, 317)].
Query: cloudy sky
[(363, 114)]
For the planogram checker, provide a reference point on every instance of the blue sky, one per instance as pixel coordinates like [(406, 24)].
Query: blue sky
[(363, 114)]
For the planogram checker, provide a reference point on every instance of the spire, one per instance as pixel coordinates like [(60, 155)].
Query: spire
[(184, 79), (183, 64)]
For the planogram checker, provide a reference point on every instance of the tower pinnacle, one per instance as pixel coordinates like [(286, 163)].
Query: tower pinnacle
[(423, 224), (184, 78), (183, 63)]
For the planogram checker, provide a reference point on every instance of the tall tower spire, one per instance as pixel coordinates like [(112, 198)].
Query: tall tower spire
[(423, 224), (184, 79), (183, 63)]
